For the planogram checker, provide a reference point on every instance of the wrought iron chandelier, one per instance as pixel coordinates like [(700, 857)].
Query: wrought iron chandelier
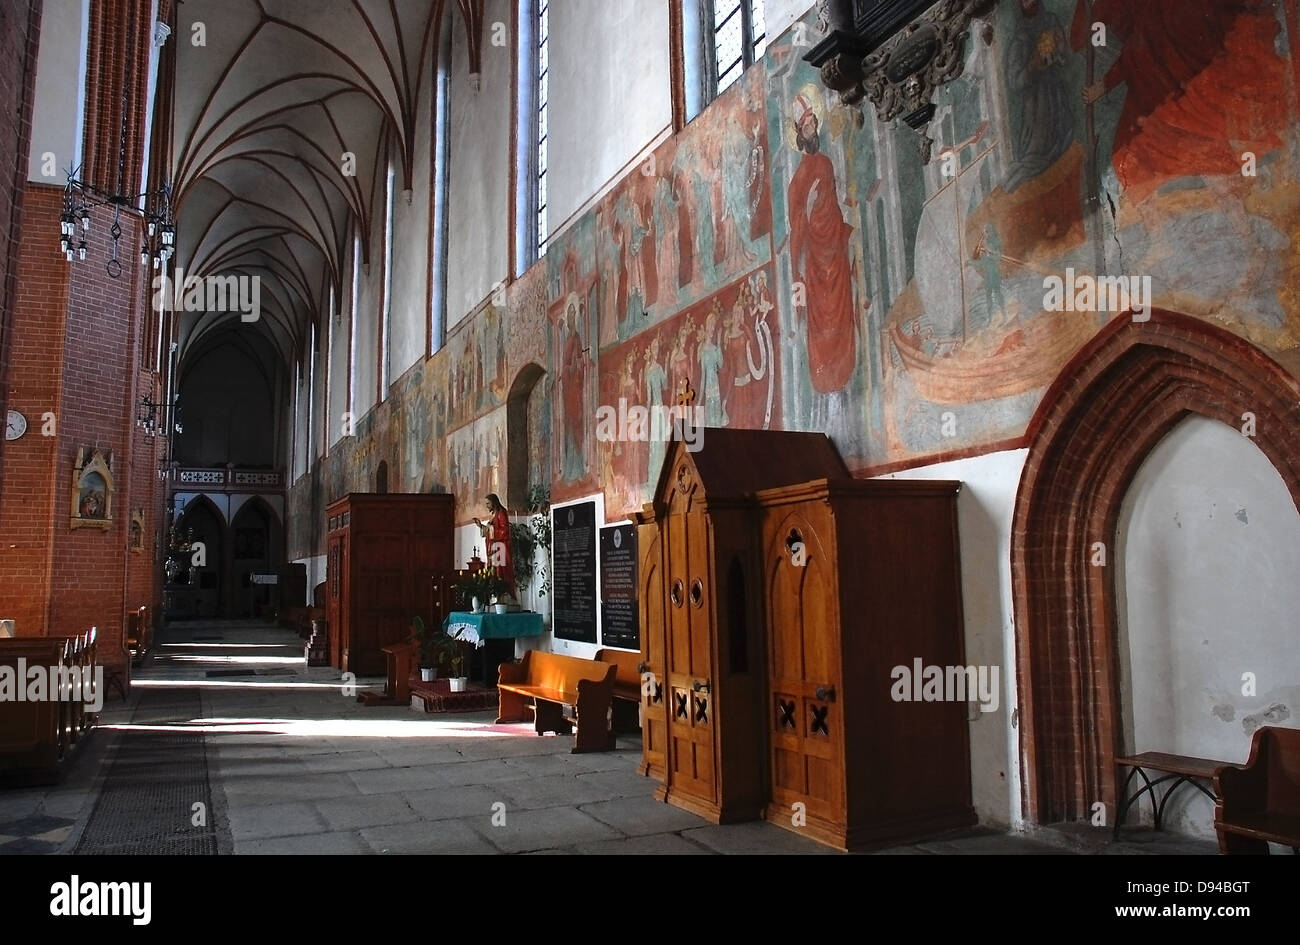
[(81, 199)]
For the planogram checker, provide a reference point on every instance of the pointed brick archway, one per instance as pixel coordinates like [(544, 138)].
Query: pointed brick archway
[(1101, 418)]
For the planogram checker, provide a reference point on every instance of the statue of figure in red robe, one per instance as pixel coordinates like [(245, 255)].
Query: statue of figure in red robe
[(819, 257), (496, 533)]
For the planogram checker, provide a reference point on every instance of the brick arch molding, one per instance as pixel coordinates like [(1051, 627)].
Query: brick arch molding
[(1099, 420)]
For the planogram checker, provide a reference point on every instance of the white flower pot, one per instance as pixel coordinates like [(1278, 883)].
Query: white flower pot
[(501, 608), (458, 683), (428, 675)]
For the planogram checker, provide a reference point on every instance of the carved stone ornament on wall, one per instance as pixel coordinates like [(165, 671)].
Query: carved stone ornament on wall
[(92, 489), (899, 75)]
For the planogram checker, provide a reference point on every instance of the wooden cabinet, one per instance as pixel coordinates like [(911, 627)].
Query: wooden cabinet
[(779, 597), (701, 610), (861, 577), (383, 551)]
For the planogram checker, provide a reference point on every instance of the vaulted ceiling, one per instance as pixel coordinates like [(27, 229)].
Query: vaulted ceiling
[(265, 110)]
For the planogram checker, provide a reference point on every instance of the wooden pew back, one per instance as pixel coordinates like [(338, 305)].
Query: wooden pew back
[(32, 734), (559, 672), (627, 681)]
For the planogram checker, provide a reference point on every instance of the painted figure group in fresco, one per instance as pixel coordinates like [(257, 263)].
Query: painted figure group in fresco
[(784, 252)]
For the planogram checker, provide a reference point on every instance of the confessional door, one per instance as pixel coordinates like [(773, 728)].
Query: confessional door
[(654, 687), (804, 714), (689, 664), (338, 606)]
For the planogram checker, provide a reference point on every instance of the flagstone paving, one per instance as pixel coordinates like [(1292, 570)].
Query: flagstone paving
[(296, 765)]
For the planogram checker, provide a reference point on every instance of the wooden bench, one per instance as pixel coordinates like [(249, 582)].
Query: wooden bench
[(551, 682), (139, 635), (1180, 769), (1259, 802), (627, 688), (627, 679), (36, 736)]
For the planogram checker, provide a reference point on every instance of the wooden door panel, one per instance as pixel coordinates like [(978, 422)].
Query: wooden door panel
[(654, 689), (689, 673), (806, 741)]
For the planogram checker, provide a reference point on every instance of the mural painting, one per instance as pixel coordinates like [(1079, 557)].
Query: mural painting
[(720, 350), (573, 317), (933, 276), (796, 262), (476, 463), (694, 215)]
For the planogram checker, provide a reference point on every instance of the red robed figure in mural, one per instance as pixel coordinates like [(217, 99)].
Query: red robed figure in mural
[(1203, 83), (819, 257)]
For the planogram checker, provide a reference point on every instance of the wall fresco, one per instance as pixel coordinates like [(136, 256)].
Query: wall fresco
[(901, 307)]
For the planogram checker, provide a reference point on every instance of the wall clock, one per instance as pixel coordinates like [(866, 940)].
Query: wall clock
[(15, 425)]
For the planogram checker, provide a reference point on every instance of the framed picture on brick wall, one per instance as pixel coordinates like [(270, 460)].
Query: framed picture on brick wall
[(92, 489)]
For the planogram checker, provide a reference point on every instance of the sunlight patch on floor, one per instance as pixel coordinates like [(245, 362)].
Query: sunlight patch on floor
[(329, 728)]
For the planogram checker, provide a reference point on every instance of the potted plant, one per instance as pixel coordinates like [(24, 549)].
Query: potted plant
[(528, 538), (456, 657), (431, 648)]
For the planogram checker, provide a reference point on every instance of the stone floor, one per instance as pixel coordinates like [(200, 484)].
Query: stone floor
[(296, 765)]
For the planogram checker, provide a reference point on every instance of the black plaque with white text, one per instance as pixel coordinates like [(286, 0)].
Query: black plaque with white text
[(618, 610), (573, 572)]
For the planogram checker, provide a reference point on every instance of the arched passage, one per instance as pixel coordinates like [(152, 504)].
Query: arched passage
[(197, 587), (525, 411), (256, 546), (1110, 406)]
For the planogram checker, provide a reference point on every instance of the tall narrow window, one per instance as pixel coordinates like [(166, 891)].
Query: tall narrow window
[(311, 396), (352, 322), (543, 65), (296, 471), (441, 176), (739, 38), (385, 324)]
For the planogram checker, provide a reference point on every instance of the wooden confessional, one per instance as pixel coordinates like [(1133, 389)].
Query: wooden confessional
[(777, 596), (383, 552), (701, 610), (860, 577)]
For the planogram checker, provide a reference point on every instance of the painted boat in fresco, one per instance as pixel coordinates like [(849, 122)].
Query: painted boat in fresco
[(1026, 358)]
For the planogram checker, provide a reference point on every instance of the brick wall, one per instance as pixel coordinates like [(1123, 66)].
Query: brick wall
[(19, 39), (29, 465), (77, 350)]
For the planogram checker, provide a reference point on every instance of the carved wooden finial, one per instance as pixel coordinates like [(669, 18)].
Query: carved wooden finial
[(686, 396)]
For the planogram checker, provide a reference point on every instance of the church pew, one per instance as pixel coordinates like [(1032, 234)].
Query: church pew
[(552, 681), (34, 736)]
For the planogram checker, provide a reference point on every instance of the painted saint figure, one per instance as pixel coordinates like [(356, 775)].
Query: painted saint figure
[(819, 256), (656, 380), (710, 355), (1043, 126)]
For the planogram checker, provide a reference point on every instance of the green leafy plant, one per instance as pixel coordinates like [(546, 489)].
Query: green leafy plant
[(528, 536), (430, 640), (437, 646)]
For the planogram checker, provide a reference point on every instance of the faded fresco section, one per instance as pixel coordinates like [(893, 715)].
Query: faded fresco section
[(787, 262)]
